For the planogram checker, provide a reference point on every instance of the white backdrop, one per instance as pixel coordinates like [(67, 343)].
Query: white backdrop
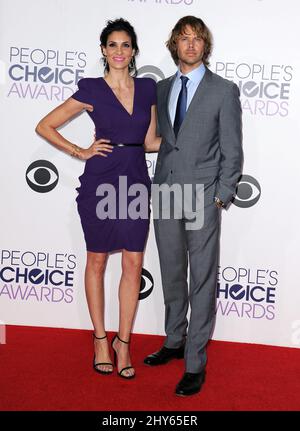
[(45, 46)]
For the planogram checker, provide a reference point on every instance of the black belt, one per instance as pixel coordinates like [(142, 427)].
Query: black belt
[(119, 144)]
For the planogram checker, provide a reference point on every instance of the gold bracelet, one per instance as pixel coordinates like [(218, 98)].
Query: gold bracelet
[(76, 151)]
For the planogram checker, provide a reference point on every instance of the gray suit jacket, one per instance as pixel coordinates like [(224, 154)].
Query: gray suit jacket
[(208, 148)]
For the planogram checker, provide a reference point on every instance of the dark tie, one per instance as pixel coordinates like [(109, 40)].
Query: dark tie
[(181, 105)]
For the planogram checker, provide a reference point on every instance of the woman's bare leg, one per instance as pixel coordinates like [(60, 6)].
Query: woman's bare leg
[(94, 289), (128, 298)]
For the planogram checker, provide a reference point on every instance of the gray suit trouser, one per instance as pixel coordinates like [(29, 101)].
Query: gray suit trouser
[(178, 248)]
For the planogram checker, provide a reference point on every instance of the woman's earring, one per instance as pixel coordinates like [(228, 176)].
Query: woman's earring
[(104, 61), (131, 64)]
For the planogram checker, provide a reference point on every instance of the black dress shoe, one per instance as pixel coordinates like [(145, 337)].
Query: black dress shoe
[(190, 383), (164, 355)]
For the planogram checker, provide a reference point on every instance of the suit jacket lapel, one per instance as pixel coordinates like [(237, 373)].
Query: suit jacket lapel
[(167, 95), (169, 88)]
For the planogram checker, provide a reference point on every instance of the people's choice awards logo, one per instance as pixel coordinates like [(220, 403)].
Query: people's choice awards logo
[(147, 284), (46, 74), (248, 192), (247, 293), (264, 88), (42, 176), (39, 277), (150, 71)]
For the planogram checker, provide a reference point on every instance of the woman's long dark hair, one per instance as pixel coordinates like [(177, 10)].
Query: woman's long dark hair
[(120, 24)]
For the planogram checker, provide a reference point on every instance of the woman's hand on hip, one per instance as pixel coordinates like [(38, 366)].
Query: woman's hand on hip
[(98, 148)]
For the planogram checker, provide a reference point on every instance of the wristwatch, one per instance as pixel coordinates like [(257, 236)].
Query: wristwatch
[(219, 203)]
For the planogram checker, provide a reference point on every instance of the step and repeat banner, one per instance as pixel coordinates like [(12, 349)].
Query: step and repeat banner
[(45, 48)]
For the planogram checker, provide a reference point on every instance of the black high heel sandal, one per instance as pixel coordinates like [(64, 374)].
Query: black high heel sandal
[(120, 373), (101, 363)]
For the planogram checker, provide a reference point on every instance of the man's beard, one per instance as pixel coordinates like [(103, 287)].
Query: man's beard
[(191, 62)]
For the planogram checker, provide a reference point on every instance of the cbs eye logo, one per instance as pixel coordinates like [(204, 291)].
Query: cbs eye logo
[(147, 284), (42, 176), (247, 193), (152, 72)]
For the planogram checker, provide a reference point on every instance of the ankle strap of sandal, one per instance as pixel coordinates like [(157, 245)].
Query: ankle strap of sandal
[(122, 341), (99, 338)]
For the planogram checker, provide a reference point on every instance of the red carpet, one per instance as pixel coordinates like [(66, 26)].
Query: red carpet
[(51, 369)]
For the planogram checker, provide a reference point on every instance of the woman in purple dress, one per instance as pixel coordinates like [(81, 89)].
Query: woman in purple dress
[(114, 192)]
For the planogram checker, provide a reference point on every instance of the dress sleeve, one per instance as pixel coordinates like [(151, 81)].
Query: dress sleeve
[(83, 94), (152, 92)]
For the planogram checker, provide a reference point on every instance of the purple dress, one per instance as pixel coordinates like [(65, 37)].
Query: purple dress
[(112, 121)]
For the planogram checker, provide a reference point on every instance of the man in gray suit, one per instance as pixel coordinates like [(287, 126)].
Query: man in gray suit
[(199, 117)]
